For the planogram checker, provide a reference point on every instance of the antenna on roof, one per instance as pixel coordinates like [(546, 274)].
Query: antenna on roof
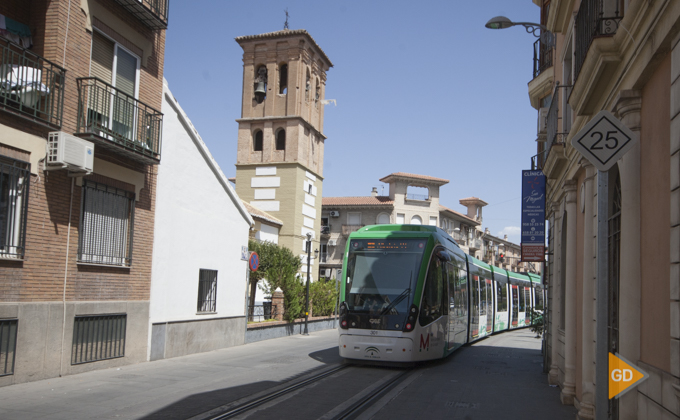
[(285, 25)]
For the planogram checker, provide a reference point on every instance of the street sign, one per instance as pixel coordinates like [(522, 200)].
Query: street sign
[(623, 376), (254, 261), (604, 140), (244, 253)]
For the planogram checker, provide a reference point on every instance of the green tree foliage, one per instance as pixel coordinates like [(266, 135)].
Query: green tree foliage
[(537, 325), (324, 297), (279, 266)]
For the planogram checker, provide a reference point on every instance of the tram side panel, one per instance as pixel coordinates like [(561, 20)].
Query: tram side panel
[(502, 318)]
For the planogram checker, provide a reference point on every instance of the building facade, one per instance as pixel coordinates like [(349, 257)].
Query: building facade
[(412, 199), (279, 166), (86, 79), (623, 57), (198, 277)]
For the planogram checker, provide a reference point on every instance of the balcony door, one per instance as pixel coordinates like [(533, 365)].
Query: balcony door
[(114, 107)]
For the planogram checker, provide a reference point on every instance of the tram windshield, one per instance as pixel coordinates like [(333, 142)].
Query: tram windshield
[(382, 274)]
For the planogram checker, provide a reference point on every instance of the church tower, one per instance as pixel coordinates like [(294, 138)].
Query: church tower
[(279, 167)]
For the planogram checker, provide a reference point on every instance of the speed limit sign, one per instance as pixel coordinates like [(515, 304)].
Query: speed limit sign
[(604, 140)]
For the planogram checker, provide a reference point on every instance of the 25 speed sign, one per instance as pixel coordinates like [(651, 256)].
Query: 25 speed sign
[(604, 140)]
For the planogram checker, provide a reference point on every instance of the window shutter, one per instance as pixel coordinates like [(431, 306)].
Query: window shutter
[(102, 58)]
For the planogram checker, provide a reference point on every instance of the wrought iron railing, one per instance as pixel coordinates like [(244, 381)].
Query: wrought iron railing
[(543, 56), (153, 13), (8, 345), (15, 177), (118, 118), (556, 134), (594, 18), (326, 230), (262, 312), (421, 197), (31, 86), (98, 337)]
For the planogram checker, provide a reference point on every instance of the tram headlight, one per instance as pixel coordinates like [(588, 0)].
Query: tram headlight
[(343, 316)]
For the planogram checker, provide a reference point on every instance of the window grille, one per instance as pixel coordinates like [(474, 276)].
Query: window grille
[(98, 337), (207, 290), (8, 344), (15, 178), (106, 225)]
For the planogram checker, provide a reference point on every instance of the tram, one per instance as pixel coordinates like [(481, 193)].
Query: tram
[(409, 293)]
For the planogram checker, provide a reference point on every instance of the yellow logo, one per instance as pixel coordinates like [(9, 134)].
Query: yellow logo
[(623, 376)]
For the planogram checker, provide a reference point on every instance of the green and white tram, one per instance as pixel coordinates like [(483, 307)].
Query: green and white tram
[(409, 293)]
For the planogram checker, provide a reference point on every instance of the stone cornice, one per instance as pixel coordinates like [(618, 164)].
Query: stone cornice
[(282, 118)]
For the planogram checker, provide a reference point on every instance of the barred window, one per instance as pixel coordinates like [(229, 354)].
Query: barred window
[(106, 225), (98, 337), (15, 178), (207, 290), (8, 344)]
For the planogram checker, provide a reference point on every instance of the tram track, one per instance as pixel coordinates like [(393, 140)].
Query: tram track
[(349, 407)]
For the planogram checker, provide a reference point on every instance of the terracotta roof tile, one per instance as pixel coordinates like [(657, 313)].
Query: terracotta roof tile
[(357, 201), (414, 176), (259, 214)]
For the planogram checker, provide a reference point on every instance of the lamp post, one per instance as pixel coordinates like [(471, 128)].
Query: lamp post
[(309, 251), (501, 22)]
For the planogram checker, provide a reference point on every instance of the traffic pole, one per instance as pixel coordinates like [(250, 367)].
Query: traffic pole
[(602, 346)]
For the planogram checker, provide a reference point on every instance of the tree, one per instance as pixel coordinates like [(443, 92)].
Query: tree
[(279, 266)]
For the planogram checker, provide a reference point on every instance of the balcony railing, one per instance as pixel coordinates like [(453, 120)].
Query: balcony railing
[(117, 121), (595, 18), (326, 230), (153, 13), (555, 133), (543, 56), (475, 244), (347, 229), (31, 86)]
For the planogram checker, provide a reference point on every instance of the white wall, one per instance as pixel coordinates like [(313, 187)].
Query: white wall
[(200, 223)]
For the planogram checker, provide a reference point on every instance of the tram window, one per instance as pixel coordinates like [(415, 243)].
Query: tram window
[(539, 299), (522, 302), (433, 294), (502, 297)]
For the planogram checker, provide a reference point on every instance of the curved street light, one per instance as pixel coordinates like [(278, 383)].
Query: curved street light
[(501, 22)]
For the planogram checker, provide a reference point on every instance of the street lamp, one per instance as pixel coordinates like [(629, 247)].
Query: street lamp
[(316, 252), (501, 22)]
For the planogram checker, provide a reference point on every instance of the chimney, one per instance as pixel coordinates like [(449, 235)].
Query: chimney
[(487, 231), (505, 237), (374, 192)]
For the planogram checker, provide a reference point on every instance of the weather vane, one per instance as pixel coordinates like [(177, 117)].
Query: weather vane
[(285, 25)]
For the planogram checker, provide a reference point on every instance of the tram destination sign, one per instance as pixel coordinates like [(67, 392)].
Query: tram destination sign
[(533, 216), (604, 140)]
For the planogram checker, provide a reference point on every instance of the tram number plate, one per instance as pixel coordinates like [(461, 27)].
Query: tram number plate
[(374, 332)]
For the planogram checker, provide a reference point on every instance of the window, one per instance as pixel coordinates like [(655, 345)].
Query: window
[(417, 193), (416, 220), (283, 79), (8, 344), (98, 337), (257, 141), (400, 218), (118, 67), (260, 84), (106, 225), (15, 178), (354, 219), (307, 86), (207, 291), (325, 226), (323, 255), (502, 297), (281, 139), (433, 220), (383, 219)]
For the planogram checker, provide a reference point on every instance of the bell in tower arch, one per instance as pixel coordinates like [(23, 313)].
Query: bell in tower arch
[(261, 84)]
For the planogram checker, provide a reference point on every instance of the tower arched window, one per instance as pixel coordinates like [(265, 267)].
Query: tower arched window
[(317, 92), (308, 86), (283, 79), (260, 84), (281, 139), (258, 141)]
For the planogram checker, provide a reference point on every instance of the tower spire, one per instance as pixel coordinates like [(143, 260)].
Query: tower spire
[(285, 24)]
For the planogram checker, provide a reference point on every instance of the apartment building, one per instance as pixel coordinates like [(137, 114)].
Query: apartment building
[(81, 87), (411, 199), (502, 253), (622, 57)]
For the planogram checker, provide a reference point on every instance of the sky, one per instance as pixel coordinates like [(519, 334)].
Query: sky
[(421, 87)]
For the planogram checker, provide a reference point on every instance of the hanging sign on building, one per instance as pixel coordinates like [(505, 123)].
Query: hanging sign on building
[(533, 216)]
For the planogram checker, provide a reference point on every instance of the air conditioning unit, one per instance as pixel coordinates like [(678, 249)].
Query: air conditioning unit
[(65, 151), (543, 121), (334, 213), (332, 242)]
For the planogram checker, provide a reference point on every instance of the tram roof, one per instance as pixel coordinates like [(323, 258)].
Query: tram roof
[(499, 270), (479, 263), (518, 276), (535, 278)]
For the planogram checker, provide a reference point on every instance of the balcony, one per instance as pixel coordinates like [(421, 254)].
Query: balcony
[(347, 229), (543, 57), (326, 230), (118, 122), (475, 244), (31, 86), (558, 126), (153, 13), (595, 18)]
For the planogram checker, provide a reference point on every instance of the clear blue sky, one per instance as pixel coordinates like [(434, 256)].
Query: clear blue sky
[(421, 87)]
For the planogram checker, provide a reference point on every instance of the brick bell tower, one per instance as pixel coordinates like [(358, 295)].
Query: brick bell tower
[(279, 167)]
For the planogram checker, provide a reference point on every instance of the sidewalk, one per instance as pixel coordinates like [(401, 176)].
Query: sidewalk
[(138, 391)]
